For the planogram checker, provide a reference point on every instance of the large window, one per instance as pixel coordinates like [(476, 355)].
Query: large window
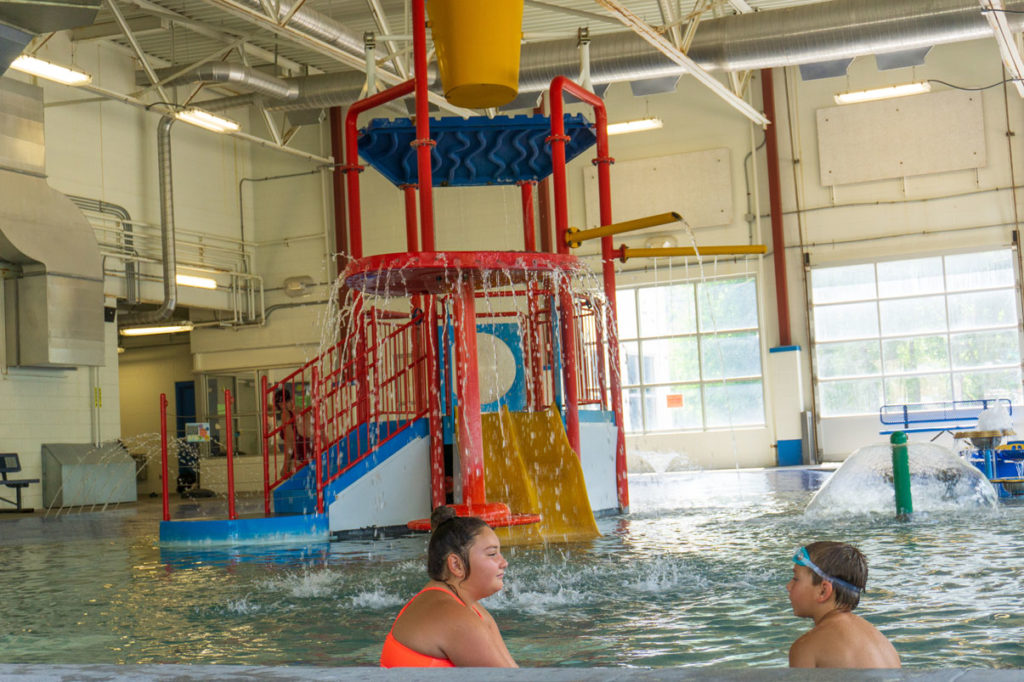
[(691, 356), (918, 330)]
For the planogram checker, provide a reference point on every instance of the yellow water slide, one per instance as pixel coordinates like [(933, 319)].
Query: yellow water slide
[(529, 465)]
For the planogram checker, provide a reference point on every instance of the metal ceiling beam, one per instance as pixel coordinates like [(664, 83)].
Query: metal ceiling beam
[(995, 13), (126, 29), (646, 32), (381, 20), (143, 25), (668, 17), (226, 38), (592, 16), (164, 109), (291, 33)]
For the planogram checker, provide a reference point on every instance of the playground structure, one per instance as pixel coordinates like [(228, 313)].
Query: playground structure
[(394, 409)]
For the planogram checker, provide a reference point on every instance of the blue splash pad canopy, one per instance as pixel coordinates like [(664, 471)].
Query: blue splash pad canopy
[(502, 150)]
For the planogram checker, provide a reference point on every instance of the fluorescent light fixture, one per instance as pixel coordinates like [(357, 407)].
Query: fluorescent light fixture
[(205, 119), (198, 282), (169, 328), (637, 126), (917, 88), (50, 71)]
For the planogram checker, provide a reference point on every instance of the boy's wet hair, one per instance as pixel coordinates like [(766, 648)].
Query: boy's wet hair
[(450, 534), (842, 561)]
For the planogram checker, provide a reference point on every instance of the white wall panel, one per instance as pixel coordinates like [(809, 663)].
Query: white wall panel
[(697, 185), (903, 137)]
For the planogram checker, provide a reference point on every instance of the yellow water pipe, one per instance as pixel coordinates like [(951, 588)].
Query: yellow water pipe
[(625, 252), (574, 236)]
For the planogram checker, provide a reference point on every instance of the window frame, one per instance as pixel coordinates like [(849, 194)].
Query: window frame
[(950, 372), (642, 385)]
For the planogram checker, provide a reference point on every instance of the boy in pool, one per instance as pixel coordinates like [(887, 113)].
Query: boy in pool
[(828, 579)]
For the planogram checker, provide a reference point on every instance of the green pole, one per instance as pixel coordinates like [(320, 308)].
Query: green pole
[(901, 474)]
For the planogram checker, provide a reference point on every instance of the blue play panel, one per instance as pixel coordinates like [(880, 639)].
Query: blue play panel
[(502, 150)]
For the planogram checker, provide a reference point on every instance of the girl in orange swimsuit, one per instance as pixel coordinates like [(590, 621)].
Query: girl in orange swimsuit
[(444, 625)]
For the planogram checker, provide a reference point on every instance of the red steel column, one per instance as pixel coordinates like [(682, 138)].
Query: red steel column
[(437, 491), (471, 442), (317, 439), (163, 455), (423, 143), (412, 241), (265, 426), (338, 188), (603, 161), (229, 438), (775, 205), (352, 167), (557, 141), (529, 229)]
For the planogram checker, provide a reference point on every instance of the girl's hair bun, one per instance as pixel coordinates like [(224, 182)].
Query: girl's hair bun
[(440, 515)]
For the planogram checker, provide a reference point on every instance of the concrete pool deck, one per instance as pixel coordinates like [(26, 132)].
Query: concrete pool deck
[(103, 672)]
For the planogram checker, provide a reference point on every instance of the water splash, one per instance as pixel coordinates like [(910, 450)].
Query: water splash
[(939, 482)]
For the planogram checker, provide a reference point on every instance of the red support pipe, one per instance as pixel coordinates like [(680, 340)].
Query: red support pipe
[(317, 441), (544, 205), (423, 143), (412, 241), (352, 167), (338, 189), (266, 444), (536, 359), (775, 206), (437, 483), (529, 229), (471, 441), (163, 455), (230, 462), (603, 162)]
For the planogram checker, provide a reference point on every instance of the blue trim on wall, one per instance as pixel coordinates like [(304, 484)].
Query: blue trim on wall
[(790, 452), (783, 349)]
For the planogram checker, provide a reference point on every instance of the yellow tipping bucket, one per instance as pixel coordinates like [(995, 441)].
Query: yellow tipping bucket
[(477, 44)]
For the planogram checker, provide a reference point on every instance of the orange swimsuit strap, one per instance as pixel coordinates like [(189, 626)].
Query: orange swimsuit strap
[(397, 655)]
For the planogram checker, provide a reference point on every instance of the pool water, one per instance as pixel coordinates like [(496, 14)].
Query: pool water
[(694, 576)]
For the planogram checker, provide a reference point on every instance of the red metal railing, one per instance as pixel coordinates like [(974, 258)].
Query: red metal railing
[(357, 395)]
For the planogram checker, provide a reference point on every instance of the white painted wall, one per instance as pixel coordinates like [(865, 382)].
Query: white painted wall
[(56, 406)]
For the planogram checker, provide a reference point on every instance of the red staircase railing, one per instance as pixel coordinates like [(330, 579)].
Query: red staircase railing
[(348, 401)]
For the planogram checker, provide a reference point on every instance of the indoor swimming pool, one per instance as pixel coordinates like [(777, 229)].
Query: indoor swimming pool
[(694, 576)]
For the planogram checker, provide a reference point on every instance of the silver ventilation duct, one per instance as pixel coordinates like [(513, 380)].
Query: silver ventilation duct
[(53, 306), (806, 34), (237, 74), (167, 246)]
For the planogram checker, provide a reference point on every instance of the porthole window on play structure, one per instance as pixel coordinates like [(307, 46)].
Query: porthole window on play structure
[(917, 330), (691, 355)]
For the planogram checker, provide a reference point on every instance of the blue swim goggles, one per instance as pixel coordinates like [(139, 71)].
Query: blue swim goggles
[(802, 558)]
